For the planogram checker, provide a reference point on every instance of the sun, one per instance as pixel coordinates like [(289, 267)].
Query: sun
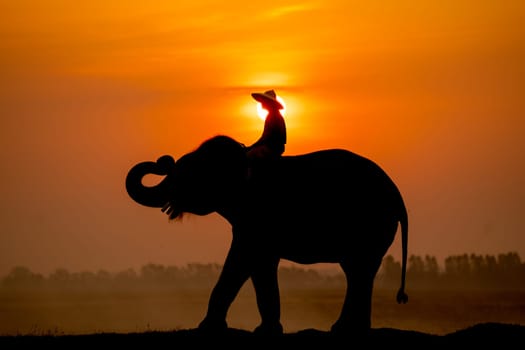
[(262, 113)]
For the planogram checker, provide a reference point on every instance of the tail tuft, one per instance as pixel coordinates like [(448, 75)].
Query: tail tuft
[(402, 297)]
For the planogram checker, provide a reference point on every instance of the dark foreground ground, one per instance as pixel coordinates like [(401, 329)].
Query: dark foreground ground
[(500, 334)]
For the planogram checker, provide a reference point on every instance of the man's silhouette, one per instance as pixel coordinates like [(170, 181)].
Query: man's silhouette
[(273, 139)]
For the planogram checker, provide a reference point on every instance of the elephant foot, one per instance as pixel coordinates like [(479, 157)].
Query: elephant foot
[(211, 326), (269, 329)]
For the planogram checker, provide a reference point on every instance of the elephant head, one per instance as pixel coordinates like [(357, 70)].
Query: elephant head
[(200, 182)]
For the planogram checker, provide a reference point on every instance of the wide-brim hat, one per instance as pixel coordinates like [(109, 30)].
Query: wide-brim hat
[(267, 98)]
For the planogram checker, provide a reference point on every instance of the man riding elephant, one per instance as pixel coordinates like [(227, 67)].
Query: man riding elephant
[(272, 142)]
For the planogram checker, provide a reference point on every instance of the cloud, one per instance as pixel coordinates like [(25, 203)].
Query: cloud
[(290, 9)]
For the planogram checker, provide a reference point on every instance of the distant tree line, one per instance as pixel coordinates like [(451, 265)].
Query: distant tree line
[(470, 271), (504, 271)]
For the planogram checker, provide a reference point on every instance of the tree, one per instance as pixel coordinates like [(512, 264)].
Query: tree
[(21, 276), (390, 271)]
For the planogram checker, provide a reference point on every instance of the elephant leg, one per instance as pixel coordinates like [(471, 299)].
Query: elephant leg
[(265, 283), (235, 273), (355, 317)]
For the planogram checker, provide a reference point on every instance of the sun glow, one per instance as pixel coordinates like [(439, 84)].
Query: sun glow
[(262, 113)]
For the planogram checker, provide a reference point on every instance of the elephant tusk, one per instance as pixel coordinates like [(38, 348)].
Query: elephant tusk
[(169, 209)]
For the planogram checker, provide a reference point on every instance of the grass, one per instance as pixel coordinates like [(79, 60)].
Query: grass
[(68, 314)]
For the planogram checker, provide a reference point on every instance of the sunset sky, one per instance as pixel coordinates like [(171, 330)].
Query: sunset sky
[(433, 91)]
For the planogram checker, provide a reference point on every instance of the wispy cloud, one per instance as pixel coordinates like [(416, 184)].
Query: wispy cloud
[(281, 11)]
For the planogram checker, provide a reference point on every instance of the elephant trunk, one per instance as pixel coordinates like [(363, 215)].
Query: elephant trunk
[(155, 196)]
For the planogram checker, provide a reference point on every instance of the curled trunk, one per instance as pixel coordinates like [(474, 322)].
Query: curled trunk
[(154, 196)]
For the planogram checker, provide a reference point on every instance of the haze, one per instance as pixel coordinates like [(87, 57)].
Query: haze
[(433, 92)]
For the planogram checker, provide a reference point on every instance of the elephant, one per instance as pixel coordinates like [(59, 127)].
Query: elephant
[(327, 206)]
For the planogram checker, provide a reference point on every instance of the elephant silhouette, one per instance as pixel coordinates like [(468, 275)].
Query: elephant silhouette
[(330, 206)]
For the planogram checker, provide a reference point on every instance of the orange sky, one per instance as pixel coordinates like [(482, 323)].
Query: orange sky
[(432, 91)]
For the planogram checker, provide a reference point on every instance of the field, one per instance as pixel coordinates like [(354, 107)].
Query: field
[(105, 311)]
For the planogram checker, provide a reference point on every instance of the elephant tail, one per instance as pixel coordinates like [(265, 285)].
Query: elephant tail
[(402, 297)]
